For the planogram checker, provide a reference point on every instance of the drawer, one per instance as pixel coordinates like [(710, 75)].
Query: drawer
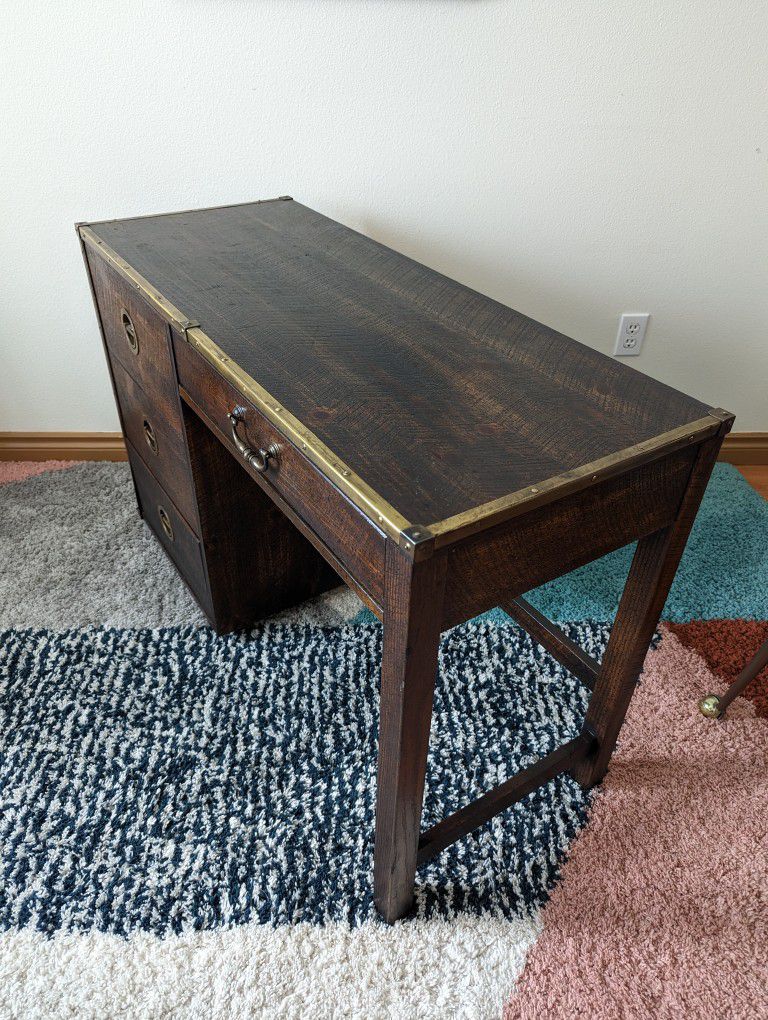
[(135, 335), (352, 537), (172, 531), (159, 442)]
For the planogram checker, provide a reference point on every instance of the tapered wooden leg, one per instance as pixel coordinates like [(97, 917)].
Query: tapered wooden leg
[(650, 578), (413, 606)]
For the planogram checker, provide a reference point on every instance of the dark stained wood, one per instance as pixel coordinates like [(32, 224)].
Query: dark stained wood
[(107, 356), (558, 644), (501, 797), (183, 548), (152, 367), (512, 558), (144, 419), (440, 398), (352, 538), (412, 613), (258, 563), (650, 578)]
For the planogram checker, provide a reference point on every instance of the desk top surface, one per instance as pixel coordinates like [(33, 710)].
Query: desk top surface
[(440, 399)]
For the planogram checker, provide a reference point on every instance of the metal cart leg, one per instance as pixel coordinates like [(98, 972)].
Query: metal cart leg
[(713, 706)]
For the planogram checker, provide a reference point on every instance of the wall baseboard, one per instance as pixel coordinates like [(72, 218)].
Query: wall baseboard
[(62, 446), (738, 448), (745, 448)]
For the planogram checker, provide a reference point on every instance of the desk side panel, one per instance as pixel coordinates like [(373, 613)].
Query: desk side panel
[(511, 559)]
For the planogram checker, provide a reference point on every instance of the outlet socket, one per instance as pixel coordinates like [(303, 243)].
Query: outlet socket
[(631, 334)]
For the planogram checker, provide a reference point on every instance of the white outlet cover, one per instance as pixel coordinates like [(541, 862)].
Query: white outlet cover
[(631, 334)]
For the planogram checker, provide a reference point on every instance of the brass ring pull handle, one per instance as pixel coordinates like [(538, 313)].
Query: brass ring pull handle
[(130, 331), (258, 459), (149, 435), (165, 520)]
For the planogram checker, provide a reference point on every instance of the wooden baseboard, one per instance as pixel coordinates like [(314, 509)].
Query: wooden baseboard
[(745, 448), (62, 446), (738, 448)]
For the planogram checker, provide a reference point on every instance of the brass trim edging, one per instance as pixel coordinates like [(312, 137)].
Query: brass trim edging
[(186, 212), (495, 512), (352, 485), (171, 312), (361, 494)]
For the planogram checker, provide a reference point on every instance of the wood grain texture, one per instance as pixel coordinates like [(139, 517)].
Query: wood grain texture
[(512, 558), (257, 562), (72, 445), (650, 577), (183, 547), (144, 418), (503, 796), (152, 367), (37, 446), (412, 613), (441, 399), (352, 538), (556, 642)]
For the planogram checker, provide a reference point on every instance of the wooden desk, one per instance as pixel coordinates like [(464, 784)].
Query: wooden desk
[(302, 404)]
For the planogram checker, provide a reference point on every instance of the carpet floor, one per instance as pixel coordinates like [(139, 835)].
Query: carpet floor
[(186, 820)]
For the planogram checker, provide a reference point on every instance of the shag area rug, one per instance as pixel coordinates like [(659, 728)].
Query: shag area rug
[(186, 820)]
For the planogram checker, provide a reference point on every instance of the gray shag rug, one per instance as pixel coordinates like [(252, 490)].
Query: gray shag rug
[(75, 553)]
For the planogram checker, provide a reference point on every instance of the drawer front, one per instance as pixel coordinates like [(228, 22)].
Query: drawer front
[(172, 531), (356, 542), (159, 442), (135, 335)]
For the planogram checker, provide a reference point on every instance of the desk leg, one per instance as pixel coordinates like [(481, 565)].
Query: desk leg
[(650, 577), (413, 608)]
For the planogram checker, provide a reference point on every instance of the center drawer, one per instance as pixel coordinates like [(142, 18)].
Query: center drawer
[(349, 535)]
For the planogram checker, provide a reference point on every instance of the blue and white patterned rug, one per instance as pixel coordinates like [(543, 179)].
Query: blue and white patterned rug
[(172, 780)]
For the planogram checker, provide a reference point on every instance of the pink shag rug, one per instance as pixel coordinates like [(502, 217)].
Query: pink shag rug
[(662, 909), (18, 470)]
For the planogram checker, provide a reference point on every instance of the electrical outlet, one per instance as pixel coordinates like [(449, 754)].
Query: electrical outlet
[(629, 339)]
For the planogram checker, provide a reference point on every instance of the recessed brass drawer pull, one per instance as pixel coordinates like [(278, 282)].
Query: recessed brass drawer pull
[(165, 520), (258, 459), (149, 435), (130, 331)]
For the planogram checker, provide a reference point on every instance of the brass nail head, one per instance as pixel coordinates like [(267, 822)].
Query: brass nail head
[(534, 489)]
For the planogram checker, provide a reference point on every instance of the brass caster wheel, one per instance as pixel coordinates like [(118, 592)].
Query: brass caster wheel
[(710, 706)]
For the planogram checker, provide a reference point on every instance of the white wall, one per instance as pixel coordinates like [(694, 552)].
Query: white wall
[(572, 159)]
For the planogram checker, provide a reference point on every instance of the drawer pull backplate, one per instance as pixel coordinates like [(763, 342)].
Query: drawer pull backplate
[(149, 435), (165, 520), (130, 331)]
